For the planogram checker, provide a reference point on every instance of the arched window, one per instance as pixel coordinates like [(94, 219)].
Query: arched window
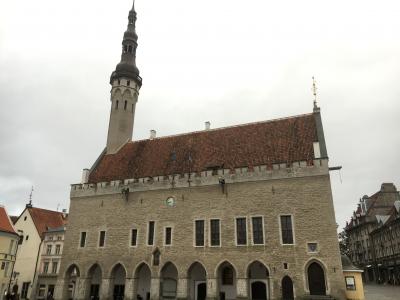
[(130, 49), (125, 104), (227, 276), (116, 104), (125, 48)]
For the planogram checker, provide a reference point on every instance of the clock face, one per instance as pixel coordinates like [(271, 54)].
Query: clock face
[(170, 201)]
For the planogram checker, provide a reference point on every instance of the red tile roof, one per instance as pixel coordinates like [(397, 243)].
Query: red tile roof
[(45, 219), (263, 143), (5, 222)]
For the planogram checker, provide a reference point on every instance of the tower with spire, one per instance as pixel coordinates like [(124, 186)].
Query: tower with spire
[(125, 85)]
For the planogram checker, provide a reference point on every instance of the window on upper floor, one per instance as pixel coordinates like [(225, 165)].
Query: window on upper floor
[(168, 236), (215, 234), (258, 230), (42, 291), (59, 238), (287, 230), (150, 233), (241, 231), (102, 238), (128, 82), (54, 269), (58, 249), (82, 242), (21, 239), (199, 233), (48, 249), (46, 267), (134, 236), (116, 104), (125, 104)]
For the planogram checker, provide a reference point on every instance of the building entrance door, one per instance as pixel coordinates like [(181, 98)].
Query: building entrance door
[(94, 291), (287, 288), (119, 291), (201, 291), (258, 291), (316, 279)]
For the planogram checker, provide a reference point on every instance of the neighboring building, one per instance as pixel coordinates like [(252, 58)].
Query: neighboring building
[(374, 237), (237, 212), (8, 248), (31, 226), (50, 260)]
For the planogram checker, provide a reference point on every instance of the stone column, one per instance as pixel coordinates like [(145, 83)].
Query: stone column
[(105, 289), (241, 288), (271, 288), (59, 289), (182, 289), (212, 289), (129, 288), (155, 289), (81, 288)]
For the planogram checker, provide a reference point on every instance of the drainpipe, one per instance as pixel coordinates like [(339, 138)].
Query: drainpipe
[(34, 274)]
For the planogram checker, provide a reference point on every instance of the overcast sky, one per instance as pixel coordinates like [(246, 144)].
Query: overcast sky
[(224, 61)]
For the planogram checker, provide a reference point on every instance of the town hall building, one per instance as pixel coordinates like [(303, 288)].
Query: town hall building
[(241, 212)]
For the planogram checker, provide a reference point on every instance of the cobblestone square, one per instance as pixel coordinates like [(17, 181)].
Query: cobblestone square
[(382, 292)]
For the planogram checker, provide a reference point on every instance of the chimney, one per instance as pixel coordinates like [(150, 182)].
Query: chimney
[(85, 176), (208, 125), (153, 134)]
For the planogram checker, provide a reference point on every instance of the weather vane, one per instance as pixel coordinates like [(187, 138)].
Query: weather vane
[(314, 89), (30, 196)]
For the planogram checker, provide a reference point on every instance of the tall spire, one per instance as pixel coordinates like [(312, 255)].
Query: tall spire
[(127, 66)]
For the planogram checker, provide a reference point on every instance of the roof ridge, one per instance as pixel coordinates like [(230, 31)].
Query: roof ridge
[(225, 127), (48, 210)]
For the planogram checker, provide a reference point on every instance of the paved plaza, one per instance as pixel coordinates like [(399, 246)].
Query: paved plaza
[(381, 292)]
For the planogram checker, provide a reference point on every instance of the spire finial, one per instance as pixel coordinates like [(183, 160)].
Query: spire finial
[(314, 89), (30, 198)]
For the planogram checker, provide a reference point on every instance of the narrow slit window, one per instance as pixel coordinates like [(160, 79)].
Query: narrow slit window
[(125, 104), (134, 234), (102, 238), (168, 236), (116, 104), (150, 237), (83, 240)]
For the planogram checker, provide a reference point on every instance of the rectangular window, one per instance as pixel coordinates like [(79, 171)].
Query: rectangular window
[(350, 283), (150, 234), (134, 234), (58, 249), (55, 267), (199, 232), (83, 240), (258, 230), (24, 291), (102, 238), (46, 267), (21, 239), (215, 232), (48, 250), (42, 291), (168, 236), (286, 230), (241, 231)]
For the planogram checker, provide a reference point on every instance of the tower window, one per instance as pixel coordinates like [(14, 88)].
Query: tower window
[(130, 49), (125, 48), (132, 107), (125, 104), (128, 82), (116, 104), (119, 81)]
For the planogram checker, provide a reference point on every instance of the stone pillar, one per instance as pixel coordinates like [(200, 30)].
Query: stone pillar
[(241, 288), (212, 289), (129, 288), (59, 289), (81, 289), (155, 289), (182, 289), (271, 288), (105, 289)]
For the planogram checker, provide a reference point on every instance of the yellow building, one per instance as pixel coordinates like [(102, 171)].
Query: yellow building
[(353, 280), (8, 248)]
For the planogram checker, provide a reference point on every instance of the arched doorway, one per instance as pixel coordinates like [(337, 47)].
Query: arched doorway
[(287, 288), (117, 284), (316, 279), (257, 274), (168, 281), (72, 276), (197, 282), (143, 279), (226, 281), (94, 282)]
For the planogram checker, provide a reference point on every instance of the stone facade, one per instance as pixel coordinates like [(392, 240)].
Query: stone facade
[(304, 193)]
